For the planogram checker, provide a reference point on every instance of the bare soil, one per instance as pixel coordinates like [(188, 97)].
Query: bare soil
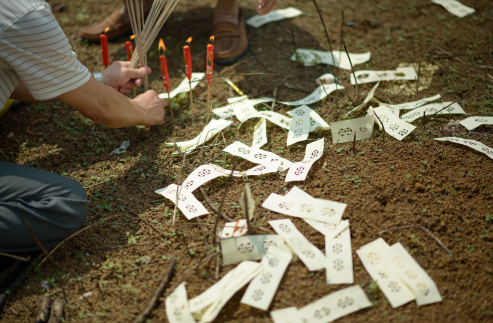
[(445, 188)]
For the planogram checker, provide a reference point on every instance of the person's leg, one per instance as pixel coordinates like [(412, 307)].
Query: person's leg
[(118, 22), (229, 32), (54, 206)]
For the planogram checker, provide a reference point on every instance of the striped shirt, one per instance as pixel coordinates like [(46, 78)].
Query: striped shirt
[(35, 50)]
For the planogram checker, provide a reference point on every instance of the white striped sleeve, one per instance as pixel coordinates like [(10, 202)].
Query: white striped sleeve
[(38, 51)]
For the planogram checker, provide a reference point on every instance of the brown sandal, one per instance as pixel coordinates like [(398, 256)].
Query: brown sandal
[(230, 41), (116, 22)]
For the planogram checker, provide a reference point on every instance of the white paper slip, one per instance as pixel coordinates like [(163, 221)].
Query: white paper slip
[(401, 73), (339, 259), (251, 247), (316, 121), (258, 156), (430, 109), (259, 134), (402, 263), (184, 86), (349, 130), (310, 57), (199, 177), (302, 207), (455, 7), (286, 315), (310, 255), (177, 309), (187, 203), (394, 289), (243, 111), (274, 117), (328, 229), (474, 122), (476, 145), (255, 171), (298, 171), (274, 15), (220, 295), (335, 305), (299, 129), (262, 288), (210, 130), (412, 105), (319, 94), (234, 229), (392, 124)]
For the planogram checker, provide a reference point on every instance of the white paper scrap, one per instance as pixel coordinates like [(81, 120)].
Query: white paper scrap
[(339, 259), (335, 305), (259, 134), (310, 255), (187, 203), (262, 288), (348, 130), (234, 229), (430, 109), (310, 57), (299, 129), (404, 265), (177, 309), (476, 145), (199, 177), (401, 73), (184, 86), (251, 247), (285, 315), (210, 130), (319, 94), (474, 122), (313, 152), (207, 306), (301, 207), (238, 103), (328, 229), (368, 98), (455, 7), (394, 289), (316, 121), (274, 15), (274, 117), (412, 105), (394, 126), (258, 156)]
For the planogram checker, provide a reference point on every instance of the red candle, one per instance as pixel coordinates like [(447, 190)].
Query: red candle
[(130, 49), (164, 64), (104, 48), (188, 59), (210, 60)]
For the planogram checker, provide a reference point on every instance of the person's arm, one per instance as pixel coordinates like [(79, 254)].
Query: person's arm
[(109, 108)]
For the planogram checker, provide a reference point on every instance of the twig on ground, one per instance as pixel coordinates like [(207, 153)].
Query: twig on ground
[(326, 34), (383, 127), (43, 250), (178, 189), (159, 290), (44, 310), (56, 311), (145, 221), (417, 80), (25, 259), (466, 97), (422, 228), (352, 69), (71, 236)]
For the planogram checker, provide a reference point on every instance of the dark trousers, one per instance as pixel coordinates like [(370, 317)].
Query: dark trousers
[(54, 206)]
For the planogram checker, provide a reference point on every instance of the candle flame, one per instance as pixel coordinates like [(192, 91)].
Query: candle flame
[(211, 39), (189, 40), (162, 48), (106, 30), (132, 37)]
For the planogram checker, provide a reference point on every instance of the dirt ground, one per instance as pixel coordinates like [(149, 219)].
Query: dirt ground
[(443, 187)]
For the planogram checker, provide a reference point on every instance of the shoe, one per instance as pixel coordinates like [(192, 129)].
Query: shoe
[(230, 41), (116, 22)]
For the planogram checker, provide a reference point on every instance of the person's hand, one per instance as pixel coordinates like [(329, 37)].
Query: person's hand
[(122, 78), (153, 107), (265, 6)]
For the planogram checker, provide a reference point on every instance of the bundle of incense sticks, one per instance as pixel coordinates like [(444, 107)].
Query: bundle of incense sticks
[(146, 32)]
